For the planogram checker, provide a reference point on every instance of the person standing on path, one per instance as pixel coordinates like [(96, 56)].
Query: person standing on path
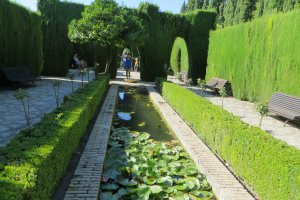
[(128, 65), (136, 64)]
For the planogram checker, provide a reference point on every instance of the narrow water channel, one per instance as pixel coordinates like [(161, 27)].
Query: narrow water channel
[(144, 117), (144, 160)]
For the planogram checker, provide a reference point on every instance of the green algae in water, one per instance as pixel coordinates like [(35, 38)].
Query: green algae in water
[(145, 117)]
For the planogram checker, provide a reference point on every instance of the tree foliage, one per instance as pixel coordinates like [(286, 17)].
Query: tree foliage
[(107, 24)]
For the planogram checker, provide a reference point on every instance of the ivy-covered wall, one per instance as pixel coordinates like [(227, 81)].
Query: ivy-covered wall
[(20, 37)]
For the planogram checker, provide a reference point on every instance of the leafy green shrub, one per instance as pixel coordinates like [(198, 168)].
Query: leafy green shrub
[(20, 37), (269, 166), (258, 58), (34, 161)]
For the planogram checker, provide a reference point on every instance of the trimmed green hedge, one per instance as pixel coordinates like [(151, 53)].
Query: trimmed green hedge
[(259, 58), (268, 165), (32, 164), (163, 28), (20, 38), (180, 56)]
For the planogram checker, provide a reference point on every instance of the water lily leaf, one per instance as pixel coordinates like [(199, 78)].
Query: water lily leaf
[(142, 124), (168, 181), (109, 186), (149, 180), (202, 194), (174, 164), (112, 173), (180, 196), (169, 190), (143, 136), (106, 195), (122, 192), (182, 187), (155, 189), (191, 171), (125, 181), (144, 192), (179, 180)]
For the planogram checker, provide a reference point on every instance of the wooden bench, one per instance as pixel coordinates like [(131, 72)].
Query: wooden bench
[(285, 105), (215, 84), (17, 74)]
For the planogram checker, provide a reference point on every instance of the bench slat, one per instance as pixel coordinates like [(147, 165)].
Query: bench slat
[(285, 105)]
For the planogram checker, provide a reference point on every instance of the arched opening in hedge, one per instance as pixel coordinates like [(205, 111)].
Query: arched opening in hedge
[(180, 57)]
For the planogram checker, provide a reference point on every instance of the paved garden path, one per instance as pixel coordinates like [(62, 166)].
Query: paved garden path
[(42, 101)]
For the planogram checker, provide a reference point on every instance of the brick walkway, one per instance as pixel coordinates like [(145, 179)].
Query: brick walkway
[(85, 185)]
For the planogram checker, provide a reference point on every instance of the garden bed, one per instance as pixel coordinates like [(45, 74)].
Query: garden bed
[(33, 162)]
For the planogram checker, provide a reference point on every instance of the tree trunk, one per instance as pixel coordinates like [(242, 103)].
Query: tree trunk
[(108, 61)]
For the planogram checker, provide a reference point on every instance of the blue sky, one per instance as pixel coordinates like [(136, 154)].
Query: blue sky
[(165, 5)]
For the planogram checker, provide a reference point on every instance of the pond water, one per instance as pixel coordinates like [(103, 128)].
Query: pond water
[(144, 160), (144, 117)]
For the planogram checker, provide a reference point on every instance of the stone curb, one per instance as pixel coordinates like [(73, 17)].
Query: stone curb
[(223, 182), (85, 185)]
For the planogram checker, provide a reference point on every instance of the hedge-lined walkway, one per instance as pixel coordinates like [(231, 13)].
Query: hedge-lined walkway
[(247, 113), (42, 101)]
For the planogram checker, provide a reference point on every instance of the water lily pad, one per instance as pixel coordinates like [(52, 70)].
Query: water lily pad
[(174, 164), (202, 194), (167, 181), (143, 136), (169, 190), (180, 196), (144, 192), (182, 187), (155, 189), (122, 192), (109, 186), (149, 180), (142, 124), (106, 195), (126, 182)]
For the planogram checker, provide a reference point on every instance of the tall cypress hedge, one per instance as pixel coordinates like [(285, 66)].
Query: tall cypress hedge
[(163, 29), (200, 23), (259, 58), (20, 37), (58, 49)]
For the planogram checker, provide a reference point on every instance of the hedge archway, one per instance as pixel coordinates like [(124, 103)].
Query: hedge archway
[(179, 56)]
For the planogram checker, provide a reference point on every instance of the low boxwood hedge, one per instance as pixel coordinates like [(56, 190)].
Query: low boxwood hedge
[(269, 166), (34, 161)]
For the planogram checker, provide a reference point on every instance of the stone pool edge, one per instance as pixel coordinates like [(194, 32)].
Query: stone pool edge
[(223, 182), (86, 184)]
